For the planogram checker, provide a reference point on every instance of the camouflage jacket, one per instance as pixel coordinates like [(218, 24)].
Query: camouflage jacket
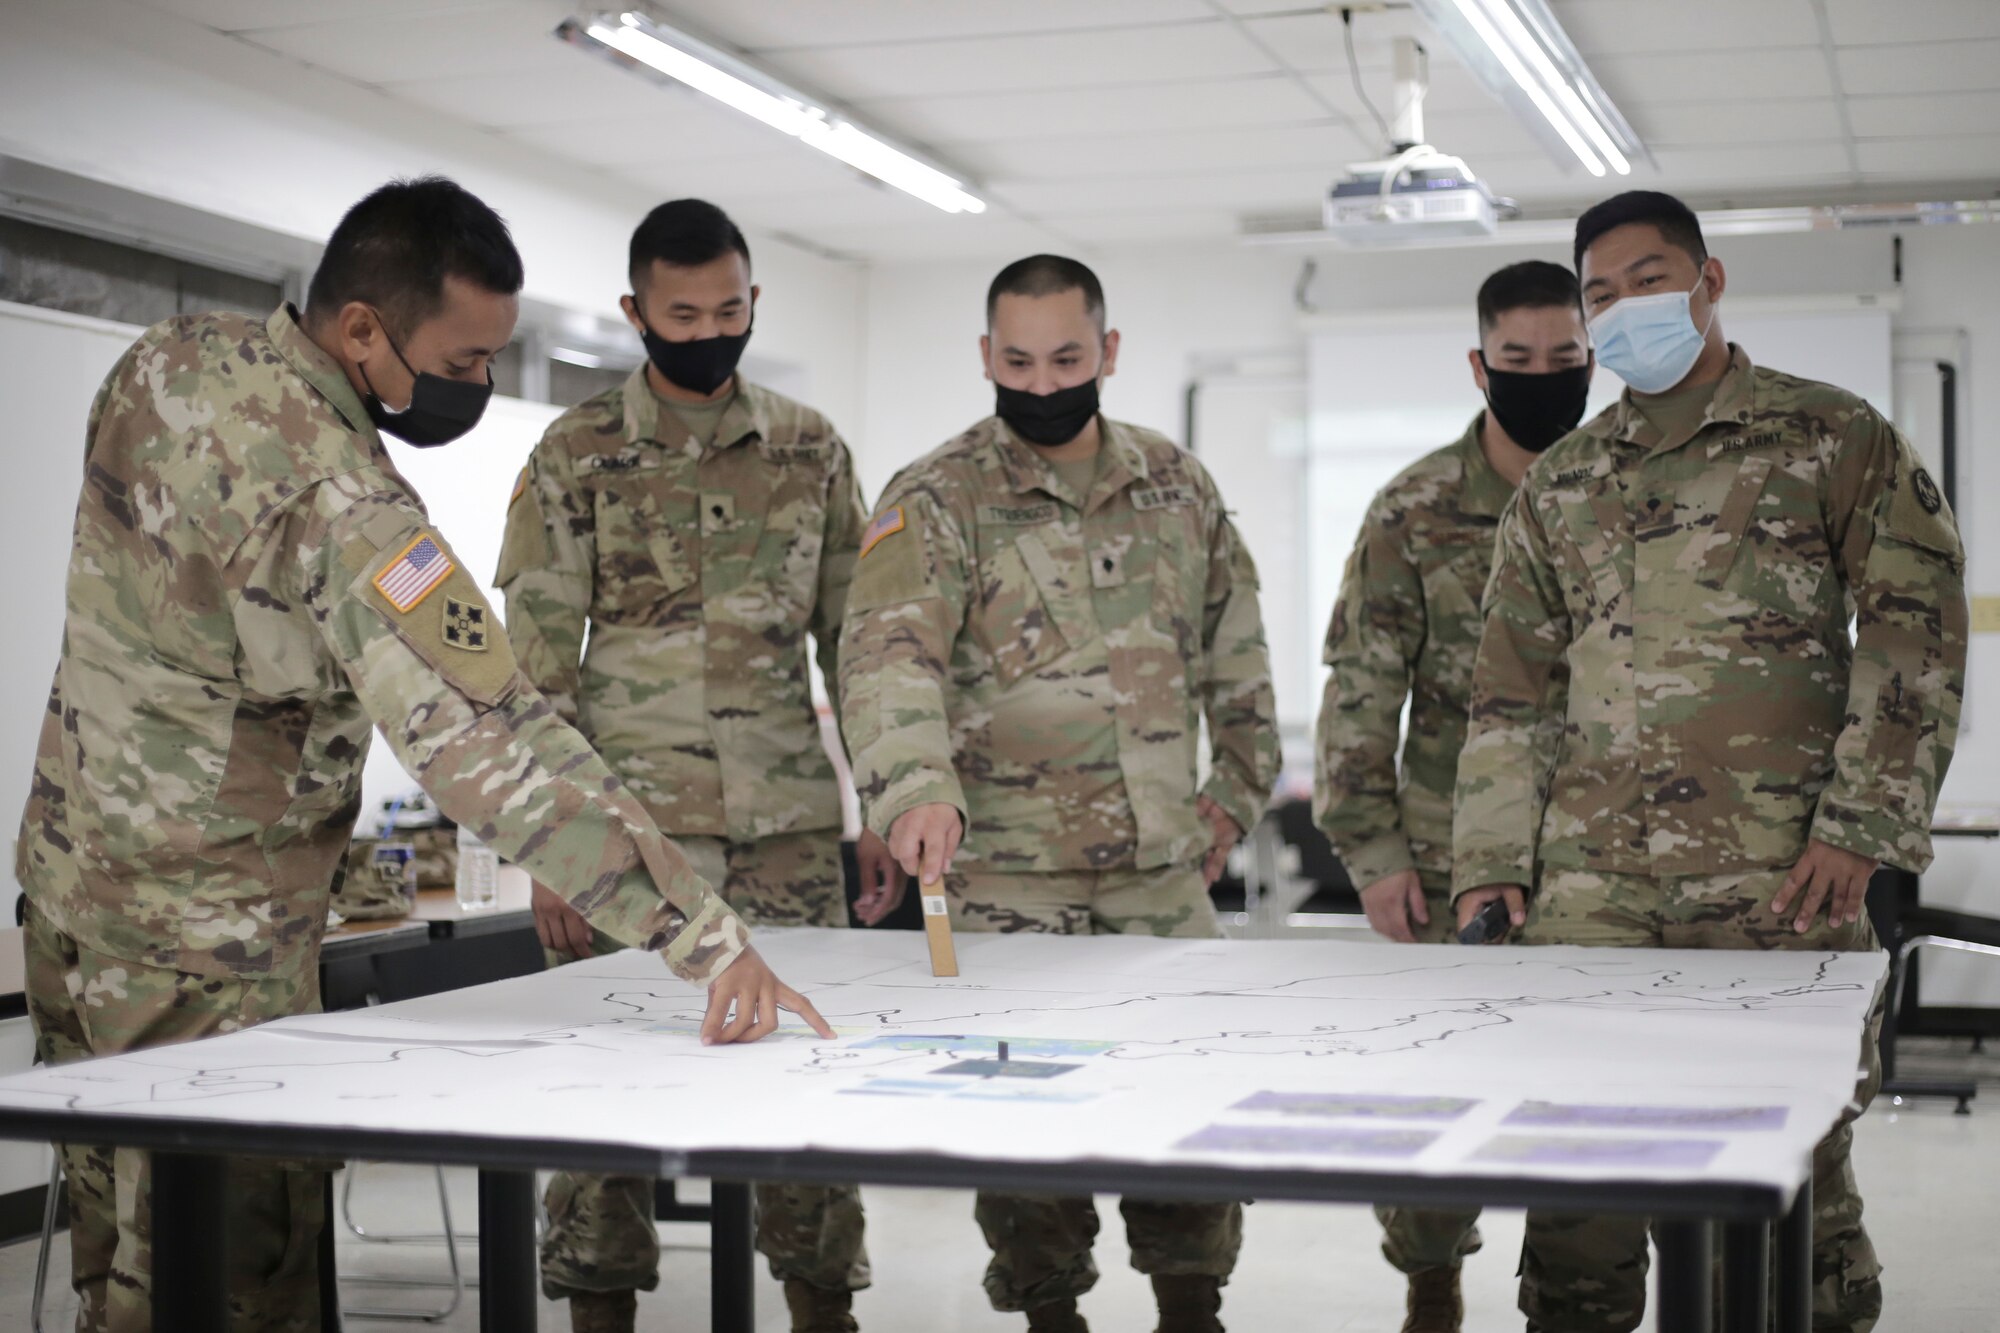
[(1042, 660), (1406, 626), (253, 583), (1684, 612), (699, 571)]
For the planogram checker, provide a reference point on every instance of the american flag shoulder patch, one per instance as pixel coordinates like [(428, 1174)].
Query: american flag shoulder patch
[(417, 569), (887, 524), (520, 485)]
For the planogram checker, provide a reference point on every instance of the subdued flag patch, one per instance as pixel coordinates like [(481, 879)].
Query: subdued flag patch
[(413, 574), (887, 524)]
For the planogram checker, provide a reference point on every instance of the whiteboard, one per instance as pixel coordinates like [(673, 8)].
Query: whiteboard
[(50, 366)]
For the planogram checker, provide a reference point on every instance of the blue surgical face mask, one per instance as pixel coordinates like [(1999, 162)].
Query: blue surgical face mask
[(1650, 342)]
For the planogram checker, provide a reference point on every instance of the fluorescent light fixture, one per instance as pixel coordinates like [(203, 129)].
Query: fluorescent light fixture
[(742, 87), (1524, 57), (576, 357)]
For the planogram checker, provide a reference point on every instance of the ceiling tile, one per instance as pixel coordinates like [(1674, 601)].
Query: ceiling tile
[(1870, 22), (806, 212), (1679, 124), (238, 15), (1945, 115), (1922, 67), (1479, 135), (496, 39), (677, 127), (1138, 108), (1756, 164), (1092, 60), (1244, 191), (997, 237), (801, 173), (1974, 158), (753, 25), (1315, 40), (1647, 27), (572, 88), (1052, 157), (1452, 88), (1181, 224), (1752, 74)]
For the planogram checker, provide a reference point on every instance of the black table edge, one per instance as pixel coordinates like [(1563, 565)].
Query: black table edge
[(1723, 1201)]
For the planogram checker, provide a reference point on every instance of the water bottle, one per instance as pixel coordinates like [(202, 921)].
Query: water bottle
[(478, 872)]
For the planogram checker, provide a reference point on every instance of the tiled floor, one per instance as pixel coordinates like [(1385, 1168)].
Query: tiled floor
[(1932, 1182)]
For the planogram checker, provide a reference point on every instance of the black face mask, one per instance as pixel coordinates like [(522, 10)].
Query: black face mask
[(1047, 419), (1536, 410), (700, 365), (440, 410)]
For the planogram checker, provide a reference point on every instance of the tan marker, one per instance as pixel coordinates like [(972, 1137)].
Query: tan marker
[(937, 931)]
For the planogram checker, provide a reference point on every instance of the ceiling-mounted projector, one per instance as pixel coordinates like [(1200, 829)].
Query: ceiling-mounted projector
[(1419, 193)]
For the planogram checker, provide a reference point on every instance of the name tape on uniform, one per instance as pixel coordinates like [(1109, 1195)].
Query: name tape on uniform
[(887, 524), (1043, 513), (414, 574), (1161, 497)]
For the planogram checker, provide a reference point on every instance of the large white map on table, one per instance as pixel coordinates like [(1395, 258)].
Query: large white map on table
[(1549, 1062)]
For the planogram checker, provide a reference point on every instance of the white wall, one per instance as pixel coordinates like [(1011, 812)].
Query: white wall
[(1183, 306), (50, 367), (126, 95)]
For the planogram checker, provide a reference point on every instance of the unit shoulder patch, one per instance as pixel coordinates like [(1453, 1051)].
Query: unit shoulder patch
[(1926, 491), (464, 625)]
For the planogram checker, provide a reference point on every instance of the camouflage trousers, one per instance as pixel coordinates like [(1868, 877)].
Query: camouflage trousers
[(1416, 1239), (1042, 1244), (601, 1235), (84, 1003), (1588, 1274)]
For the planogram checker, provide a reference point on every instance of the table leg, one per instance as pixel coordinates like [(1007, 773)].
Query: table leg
[(1687, 1277), (329, 1268), (190, 1294), (1795, 1264), (507, 1264), (1746, 1277), (732, 1258)]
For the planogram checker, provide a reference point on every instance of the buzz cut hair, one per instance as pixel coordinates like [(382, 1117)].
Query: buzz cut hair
[(1676, 222), (395, 248), (1532, 284), (683, 233), (1047, 275)]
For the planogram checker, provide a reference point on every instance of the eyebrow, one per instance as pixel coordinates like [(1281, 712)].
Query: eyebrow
[(1071, 346)]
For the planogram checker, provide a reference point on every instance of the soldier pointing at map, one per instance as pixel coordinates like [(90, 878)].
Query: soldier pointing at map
[(253, 588)]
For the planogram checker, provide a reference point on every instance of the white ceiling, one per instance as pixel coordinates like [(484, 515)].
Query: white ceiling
[(1089, 122)]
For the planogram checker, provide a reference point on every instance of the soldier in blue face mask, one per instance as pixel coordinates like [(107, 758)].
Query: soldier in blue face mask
[(1718, 683)]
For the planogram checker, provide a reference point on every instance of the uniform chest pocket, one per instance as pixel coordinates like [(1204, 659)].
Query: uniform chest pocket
[(641, 560), (791, 544), (1026, 616), (1769, 542), (1454, 580), (1178, 558)]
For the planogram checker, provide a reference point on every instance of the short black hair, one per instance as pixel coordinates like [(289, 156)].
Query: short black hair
[(1045, 275), (1676, 221), (395, 248), (685, 233), (1532, 284)]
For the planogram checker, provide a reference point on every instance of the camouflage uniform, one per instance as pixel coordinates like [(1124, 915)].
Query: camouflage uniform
[(253, 586), (1406, 626), (1042, 661), (699, 570), (1667, 704)]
